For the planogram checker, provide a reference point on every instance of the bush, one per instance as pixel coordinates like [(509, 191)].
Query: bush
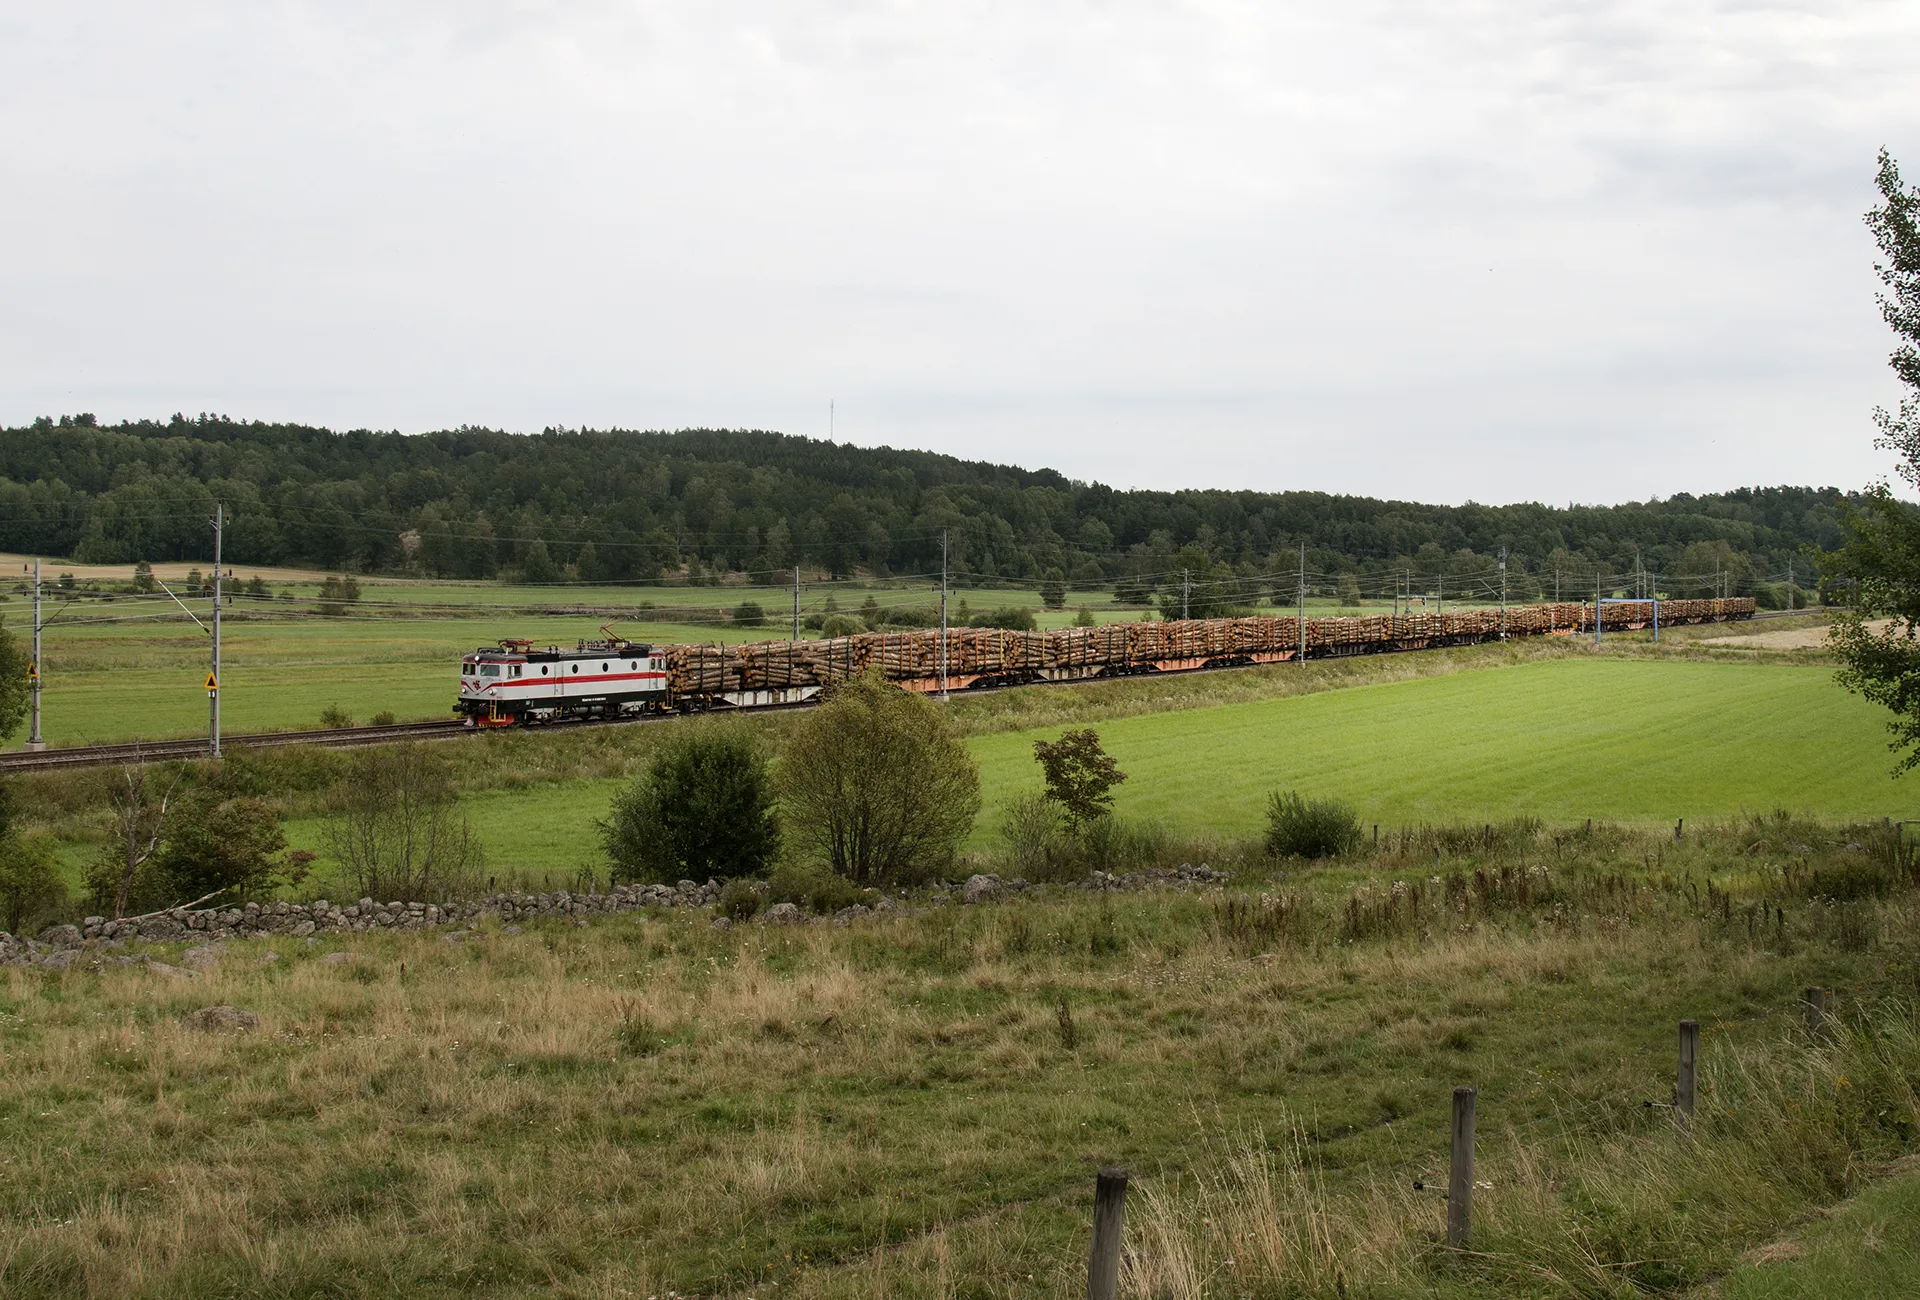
[(31, 890), (703, 808), (215, 844), (876, 785), (841, 625), (812, 888), (1053, 589), (739, 900), (383, 719), (907, 616), (1011, 618), (1303, 828), (1083, 617), (749, 614), (336, 717), (397, 833), (1116, 845), (1030, 835)]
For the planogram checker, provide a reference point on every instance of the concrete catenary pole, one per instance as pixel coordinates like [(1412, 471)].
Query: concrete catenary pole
[(34, 740), (213, 676)]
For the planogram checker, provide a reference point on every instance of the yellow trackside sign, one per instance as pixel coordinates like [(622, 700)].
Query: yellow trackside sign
[(213, 683), (33, 672)]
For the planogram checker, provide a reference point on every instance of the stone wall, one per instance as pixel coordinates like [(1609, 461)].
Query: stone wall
[(58, 945), (298, 920)]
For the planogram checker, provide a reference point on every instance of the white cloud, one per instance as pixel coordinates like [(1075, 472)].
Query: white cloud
[(1437, 250)]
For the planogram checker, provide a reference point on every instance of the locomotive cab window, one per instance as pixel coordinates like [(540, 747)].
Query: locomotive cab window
[(489, 670)]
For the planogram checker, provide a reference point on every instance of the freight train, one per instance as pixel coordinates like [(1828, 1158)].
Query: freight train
[(515, 683)]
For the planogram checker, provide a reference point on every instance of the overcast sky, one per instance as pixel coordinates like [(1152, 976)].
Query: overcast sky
[(1421, 248)]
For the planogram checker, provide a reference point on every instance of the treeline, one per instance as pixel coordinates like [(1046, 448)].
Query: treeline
[(617, 505)]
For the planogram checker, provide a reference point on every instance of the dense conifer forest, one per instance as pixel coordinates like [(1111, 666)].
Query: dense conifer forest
[(700, 505)]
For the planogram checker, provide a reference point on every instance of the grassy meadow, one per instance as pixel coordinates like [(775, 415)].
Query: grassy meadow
[(915, 1105)]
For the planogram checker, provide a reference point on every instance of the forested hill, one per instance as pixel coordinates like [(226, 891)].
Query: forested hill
[(616, 505)]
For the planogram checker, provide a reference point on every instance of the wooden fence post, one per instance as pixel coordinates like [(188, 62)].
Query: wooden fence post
[(1460, 1176), (1109, 1220), (1815, 1001), (1683, 1081)]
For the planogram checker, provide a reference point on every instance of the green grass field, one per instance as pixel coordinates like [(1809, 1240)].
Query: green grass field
[(1630, 739)]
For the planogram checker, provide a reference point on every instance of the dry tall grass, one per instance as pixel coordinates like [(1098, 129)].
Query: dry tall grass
[(648, 1104)]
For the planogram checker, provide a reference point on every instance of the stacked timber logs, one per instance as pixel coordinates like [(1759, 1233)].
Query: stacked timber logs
[(993, 655)]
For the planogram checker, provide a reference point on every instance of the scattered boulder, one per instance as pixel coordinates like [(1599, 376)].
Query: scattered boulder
[(224, 1017), (61, 936), (169, 972), (201, 957), (979, 889), (785, 914), (724, 922), (59, 960), (339, 958)]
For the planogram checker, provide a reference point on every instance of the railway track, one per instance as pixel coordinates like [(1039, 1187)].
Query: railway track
[(350, 737), (333, 737)]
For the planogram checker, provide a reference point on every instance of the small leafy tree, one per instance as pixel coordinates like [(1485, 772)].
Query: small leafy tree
[(1053, 589), (1882, 550), (143, 578), (15, 698), (704, 808), (1080, 774), (337, 592), (397, 832), (218, 844), (876, 785), (538, 566), (30, 885), (124, 874), (748, 613)]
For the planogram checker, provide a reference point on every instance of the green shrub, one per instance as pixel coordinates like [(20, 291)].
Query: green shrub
[(749, 614), (876, 784), (335, 716), (739, 900), (1038, 843), (1010, 618), (841, 625), (32, 891), (703, 808), (1116, 845), (383, 719), (1309, 828), (812, 888), (1030, 838)]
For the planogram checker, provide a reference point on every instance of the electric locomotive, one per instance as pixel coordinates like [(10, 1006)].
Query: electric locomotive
[(515, 683)]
